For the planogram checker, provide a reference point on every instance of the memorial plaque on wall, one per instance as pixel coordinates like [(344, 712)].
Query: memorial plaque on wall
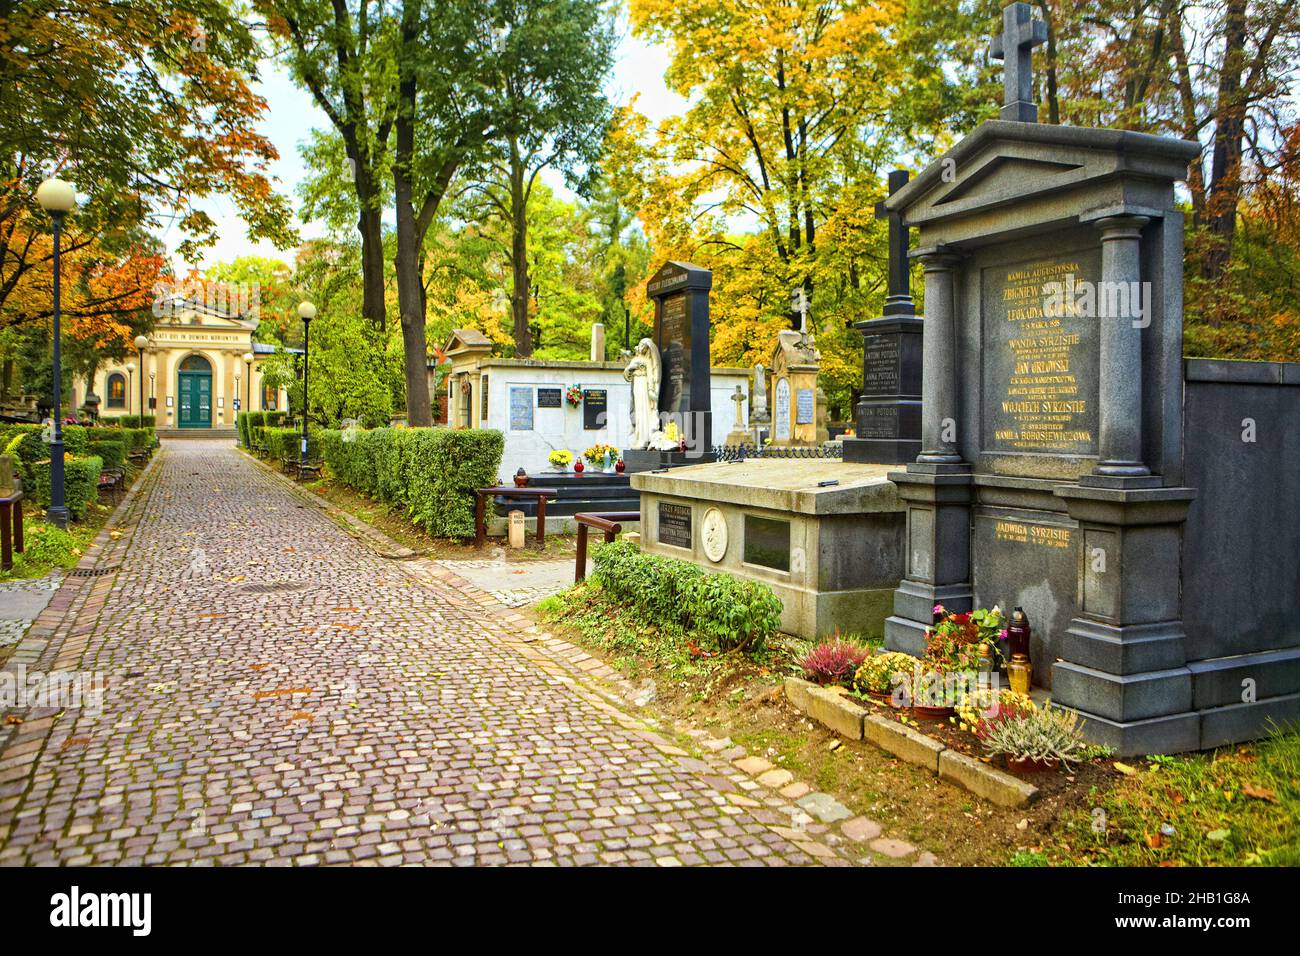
[(595, 408), (803, 407), (1041, 355), (880, 365), (549, 398), (781, 413), (675, 524), (521, 409), (674, 352)]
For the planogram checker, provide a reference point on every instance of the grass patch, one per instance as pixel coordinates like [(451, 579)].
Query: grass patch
[(47, 548), (1237, 806)]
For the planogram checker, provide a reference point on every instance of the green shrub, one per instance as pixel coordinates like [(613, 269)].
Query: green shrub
[(80, 482), (727, 611), (133, 421), (34, 447), (431, 473), (286, 442), (112, 451), (138, 438)]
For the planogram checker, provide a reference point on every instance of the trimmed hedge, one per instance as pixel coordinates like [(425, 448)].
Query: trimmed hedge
[(134, 421), (112, 451), (250, 425), (80, 482), (729, 612), (287, 442), (34, 447), (430, 473)]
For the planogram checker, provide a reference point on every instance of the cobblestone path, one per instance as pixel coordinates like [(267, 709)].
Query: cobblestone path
[(280, 690)]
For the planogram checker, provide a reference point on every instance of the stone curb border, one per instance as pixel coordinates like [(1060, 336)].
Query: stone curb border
[(51, 644), (857, 723), (770, 794)]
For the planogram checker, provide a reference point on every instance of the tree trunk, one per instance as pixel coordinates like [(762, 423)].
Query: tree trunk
[(519, 253), (1229, 129), (410, 288), (370, 225), (1191, 124)]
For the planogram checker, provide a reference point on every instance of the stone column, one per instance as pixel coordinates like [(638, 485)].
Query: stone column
[(1119, 443), (939, 360)]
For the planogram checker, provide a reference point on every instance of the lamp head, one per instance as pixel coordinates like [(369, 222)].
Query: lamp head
[(130, 366), (306, 311), (56, 196), (141, 342), (248, 358)]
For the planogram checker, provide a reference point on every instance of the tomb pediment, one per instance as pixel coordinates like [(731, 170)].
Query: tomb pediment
[(1004, 163)]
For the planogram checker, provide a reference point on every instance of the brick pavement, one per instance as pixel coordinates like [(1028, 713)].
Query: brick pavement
[(283, 689)]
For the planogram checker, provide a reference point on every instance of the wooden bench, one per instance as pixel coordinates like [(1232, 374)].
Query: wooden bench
[(11, 529), (507, 491), (609, 522), (114, 479)]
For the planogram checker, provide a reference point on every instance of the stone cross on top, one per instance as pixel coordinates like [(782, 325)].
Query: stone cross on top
[(1020, 34), (898, 299)]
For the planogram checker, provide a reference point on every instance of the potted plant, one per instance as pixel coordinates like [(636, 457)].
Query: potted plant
[(601, 454), (1036, 739), (560, 459), (876, 676)]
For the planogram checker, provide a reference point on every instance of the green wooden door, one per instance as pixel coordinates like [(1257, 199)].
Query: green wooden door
[(195, 393)]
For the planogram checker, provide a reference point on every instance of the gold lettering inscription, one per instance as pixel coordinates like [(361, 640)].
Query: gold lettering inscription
[(1045, 535), (1042, 397)]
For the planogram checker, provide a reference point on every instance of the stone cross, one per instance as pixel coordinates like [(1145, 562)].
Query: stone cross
[(739, 398), (799, 304), (1020, 34), (898, 301)]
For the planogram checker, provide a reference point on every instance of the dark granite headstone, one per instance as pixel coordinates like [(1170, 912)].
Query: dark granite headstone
[(549, 398), (680, 292), (887, 416), (1051, 473)]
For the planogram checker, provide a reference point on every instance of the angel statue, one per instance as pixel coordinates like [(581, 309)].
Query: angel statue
[(643, 373)]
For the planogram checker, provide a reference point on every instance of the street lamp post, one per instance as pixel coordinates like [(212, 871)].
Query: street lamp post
[(58, 198), (130, 384), (306, 312), (141, 343), (248, 395)]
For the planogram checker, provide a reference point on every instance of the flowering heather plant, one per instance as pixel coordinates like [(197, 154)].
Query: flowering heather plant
[(1050, 734), (834, 662)]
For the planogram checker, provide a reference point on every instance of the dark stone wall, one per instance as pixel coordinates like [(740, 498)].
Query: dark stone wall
[(1241, 549)]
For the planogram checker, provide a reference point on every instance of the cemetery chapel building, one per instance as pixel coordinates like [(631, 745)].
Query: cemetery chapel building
[(195, 375)]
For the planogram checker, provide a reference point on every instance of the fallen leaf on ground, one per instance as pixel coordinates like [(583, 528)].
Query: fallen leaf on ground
[(1259, 793), (1125, 769)]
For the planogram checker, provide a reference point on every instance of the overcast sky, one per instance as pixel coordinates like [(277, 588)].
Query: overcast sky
[(293, 114)]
